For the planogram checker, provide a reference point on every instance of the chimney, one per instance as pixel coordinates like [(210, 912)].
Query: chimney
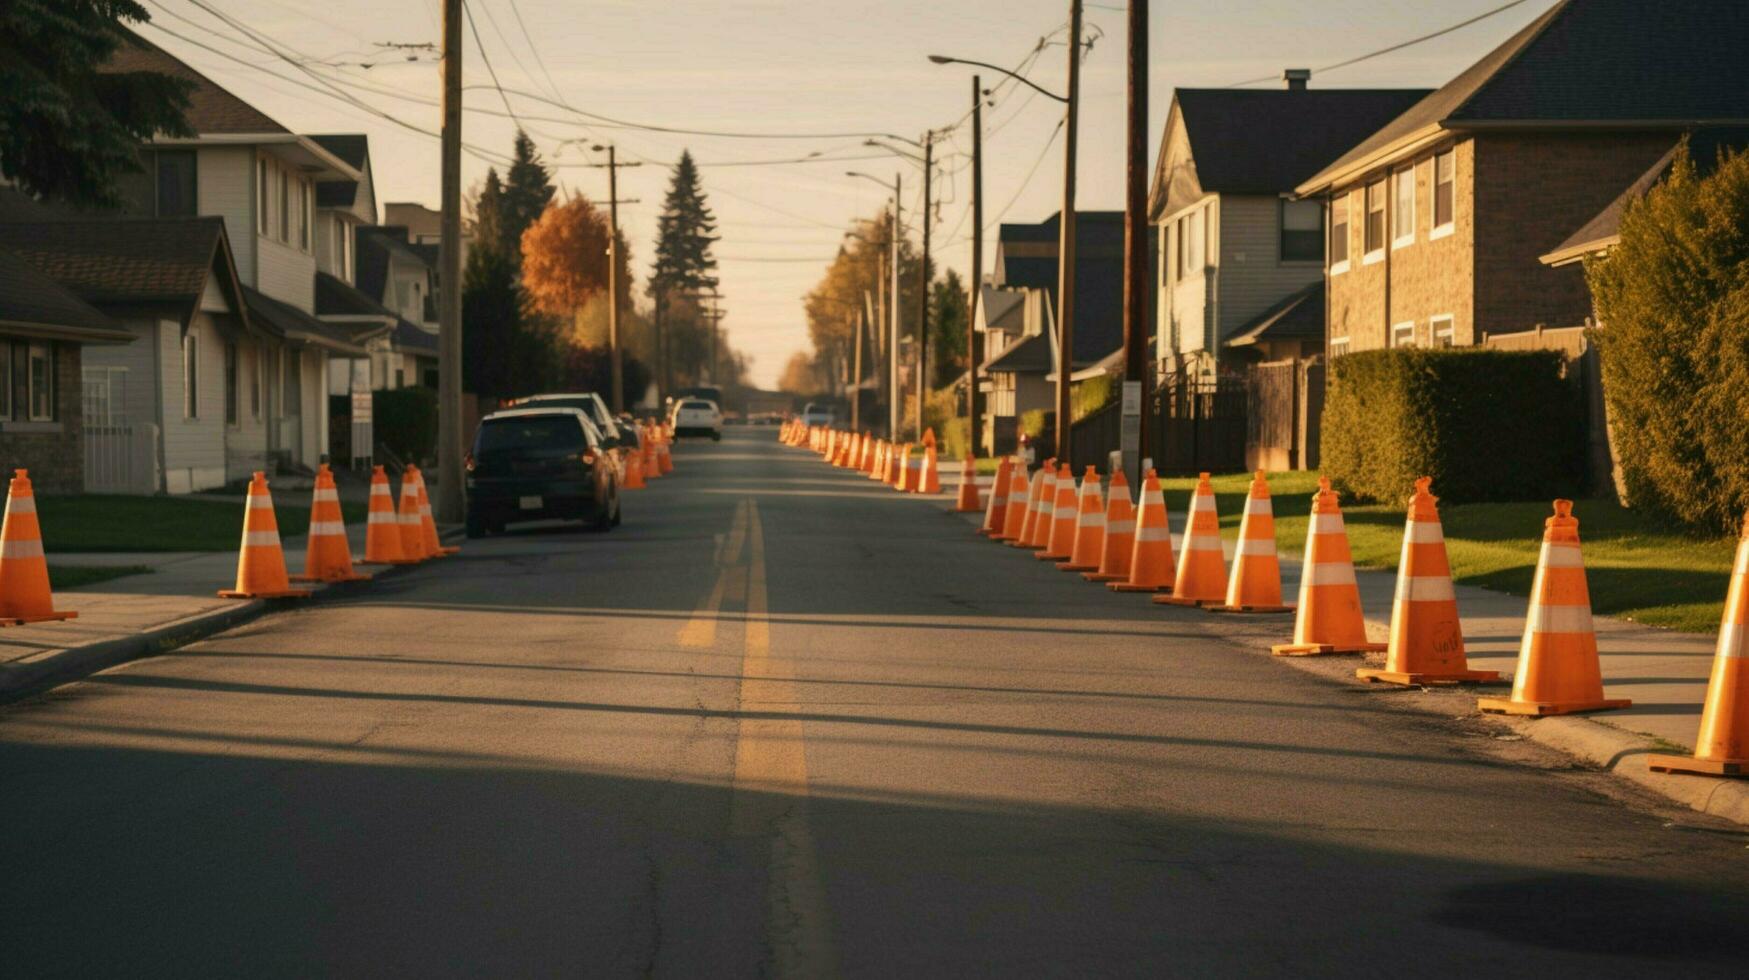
[(1294, 79)]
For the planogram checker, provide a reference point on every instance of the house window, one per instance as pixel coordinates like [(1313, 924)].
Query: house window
[(284, 207), (176, 183), (1339, 233), (1193, 246), (230, 383), (1403, 334), (261, 197), (40, 381), (1302, 231), (1403, 208), (1180, 253), (1444, 189), (1443, 334), (1338, 347), (1375, 219), (190, 376)]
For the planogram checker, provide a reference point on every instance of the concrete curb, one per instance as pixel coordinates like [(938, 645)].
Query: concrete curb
[(1590, 740), (20, 681)]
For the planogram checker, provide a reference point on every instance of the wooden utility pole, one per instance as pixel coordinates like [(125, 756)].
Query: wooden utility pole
[(1134, 420), (1066, 242), (923, 293), (613, 321), (450, 503), (856, 375), (977, 277), (894, 411)]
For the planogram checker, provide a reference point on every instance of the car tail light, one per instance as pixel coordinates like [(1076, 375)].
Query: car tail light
[(468, 462), (588, 459)]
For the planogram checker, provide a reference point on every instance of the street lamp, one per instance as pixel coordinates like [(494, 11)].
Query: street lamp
[(1065, 221), (893, 286)]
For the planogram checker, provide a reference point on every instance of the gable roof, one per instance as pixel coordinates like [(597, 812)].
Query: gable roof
[(1603, 231), (1259, 141), (211, 108), (129, 261), (1589, 63), (998, 308), (35, 303), (1026, 258), (354, 149), (1300, 316), (1030, 354), (292, 324)]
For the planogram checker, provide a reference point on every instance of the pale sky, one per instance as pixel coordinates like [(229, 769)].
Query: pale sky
[(797, 67)]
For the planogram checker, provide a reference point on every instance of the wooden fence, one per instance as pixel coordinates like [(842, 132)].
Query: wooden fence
[(1198, 425), (1284, 401)]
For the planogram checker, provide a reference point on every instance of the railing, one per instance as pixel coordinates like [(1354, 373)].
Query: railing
[(1198, 425), (121, 458)]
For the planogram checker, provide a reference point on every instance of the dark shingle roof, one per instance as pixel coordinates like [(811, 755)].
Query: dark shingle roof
[(409, 336), (211, 109), (30, 299), (1030, 354), (337, 297), (1028, 259), (371, 262), (1267, 141), (122, 260), (1602, 231), (290, 323), (1000, 307), (1621, 62), (1298, 317)]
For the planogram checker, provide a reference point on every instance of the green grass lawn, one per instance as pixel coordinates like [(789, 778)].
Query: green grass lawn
[(1636, 571), (103, 522), (71, 577)]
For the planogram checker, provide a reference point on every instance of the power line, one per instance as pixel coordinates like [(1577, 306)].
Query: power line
[(534, 50), (1395, 47), (474, 29)]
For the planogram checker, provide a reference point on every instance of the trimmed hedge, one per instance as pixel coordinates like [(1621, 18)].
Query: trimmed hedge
[(1485, 424), (405, 422)]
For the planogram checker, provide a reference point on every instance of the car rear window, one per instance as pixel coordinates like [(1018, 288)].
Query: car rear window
[(530, 432), (697, 406)]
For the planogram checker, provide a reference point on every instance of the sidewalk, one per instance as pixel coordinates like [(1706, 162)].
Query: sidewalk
[(137, 615), (1664, 672)]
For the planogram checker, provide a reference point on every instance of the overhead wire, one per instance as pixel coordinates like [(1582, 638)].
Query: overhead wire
[(1484, 15)]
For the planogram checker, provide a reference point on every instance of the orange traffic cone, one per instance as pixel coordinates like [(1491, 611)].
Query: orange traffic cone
[(1255, 585), (327, 556), (634, 479), (929, 474), (1061, 540), (664, 461), (1329, 618), (1120, 533), (412, 534), (652, 469), (865, 462), (382, 532), (434, 545), (1722, 747), (1427, 642), (970, 500), (1089, 544), (1152, 567), (997, 507), (1038, 519), (261, 562), (902, 468), (1202, 572), (880, 459), (1558, 672), (1014, 513), (24, 571)]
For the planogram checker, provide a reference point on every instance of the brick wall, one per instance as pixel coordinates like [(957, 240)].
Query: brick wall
[(54, 453), (1532, 191)]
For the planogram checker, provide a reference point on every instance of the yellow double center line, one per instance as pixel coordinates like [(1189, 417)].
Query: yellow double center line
[(770, 798)]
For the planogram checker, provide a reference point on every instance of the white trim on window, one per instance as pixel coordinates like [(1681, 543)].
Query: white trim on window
[(1338, 346), (1442, 231), (1443, 327), (1339, 268), (1400, 215), (1376, 255), (1398, 331)]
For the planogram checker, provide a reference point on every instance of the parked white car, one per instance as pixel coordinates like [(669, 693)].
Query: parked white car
[(697, 417), (817, 415)]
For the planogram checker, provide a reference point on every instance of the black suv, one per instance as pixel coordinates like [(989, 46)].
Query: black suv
[(537, 464)]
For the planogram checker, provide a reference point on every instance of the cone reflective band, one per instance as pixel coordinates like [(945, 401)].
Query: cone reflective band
[(1255, 583), (901, 458), (434, 546), (1120, 533), (1019, 494), (1722, 746), (382, 533), (407, 516), (1040, 497), (1202, 571), (1558, 672), (1329, 618), (260, 560), (866, 461), (1089, 543), (327, 555), (1061, 533), (1427, 641), (1152, 567), (880, 461), (997, 507), (25, 596)]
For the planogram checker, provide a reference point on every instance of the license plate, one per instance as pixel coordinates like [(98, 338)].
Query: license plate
[(530, 503)]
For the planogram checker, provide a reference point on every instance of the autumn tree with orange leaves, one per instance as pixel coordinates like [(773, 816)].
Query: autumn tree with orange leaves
[(564, 258)]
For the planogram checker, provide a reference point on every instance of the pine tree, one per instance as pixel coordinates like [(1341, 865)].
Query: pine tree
[(69, 129), (684, 265), (528, 189), (508, 347)]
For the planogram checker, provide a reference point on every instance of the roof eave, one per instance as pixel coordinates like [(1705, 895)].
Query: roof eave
[(342, 170), (1340, 174), (57, 331), (1571, 254)]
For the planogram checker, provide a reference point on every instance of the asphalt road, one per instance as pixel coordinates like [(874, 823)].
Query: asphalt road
[(783, 722)]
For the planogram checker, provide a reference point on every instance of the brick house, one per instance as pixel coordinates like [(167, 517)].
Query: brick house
[(1243, 269), (1437, 222)]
